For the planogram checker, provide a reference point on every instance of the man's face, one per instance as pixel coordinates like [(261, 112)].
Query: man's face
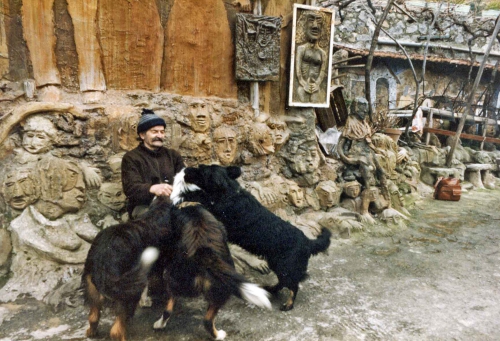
[(36, 142), (19, 190), (153, 138), (314, 26), (225, 148), (199, 116)]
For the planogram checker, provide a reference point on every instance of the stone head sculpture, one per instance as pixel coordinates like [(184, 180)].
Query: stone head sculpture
[(62, 187), (20, 188), (127, 131), (39, 134), (199, 116), (261, 139), (279, 130), (295, 194), (352, 189), (305, 160), (115, 164), (226, 144), (111, 195), (359, 107), (328, 193)]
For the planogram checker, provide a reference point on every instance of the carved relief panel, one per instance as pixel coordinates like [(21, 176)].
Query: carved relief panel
[(311, 53), (257, 47)]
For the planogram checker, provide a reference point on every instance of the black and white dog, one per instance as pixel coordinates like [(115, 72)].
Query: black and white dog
[(251, 225)]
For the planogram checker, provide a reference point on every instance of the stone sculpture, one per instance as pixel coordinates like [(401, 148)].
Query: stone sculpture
[(279, 130), (356, 149), (226, 144)]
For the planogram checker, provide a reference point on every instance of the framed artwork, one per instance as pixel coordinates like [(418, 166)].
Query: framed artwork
[(310, 66), (257, 47)]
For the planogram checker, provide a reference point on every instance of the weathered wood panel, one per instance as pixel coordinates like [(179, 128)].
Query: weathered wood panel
[(38, 25), (131, 37), (199, 50), (90, 74)]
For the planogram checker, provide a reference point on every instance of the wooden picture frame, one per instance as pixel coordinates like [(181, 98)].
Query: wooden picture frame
[(310, 66)]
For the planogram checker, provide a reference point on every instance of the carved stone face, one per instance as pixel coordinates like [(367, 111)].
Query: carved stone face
[(313, 26), (199, 116), (63, 188), (20, 189), (127, 133), (373, 193), (265, 34), (360, 108), (73, 196), (304, 161), (328, 193), (296, 195), (352, 189), (111, 195), (38, 134), (279, 131), (261, 139), (226, 145)]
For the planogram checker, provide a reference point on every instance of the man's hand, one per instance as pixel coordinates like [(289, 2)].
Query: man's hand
[(161, 190)]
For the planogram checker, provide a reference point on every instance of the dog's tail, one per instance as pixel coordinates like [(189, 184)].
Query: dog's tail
[(321, 243), (134, 281), (226, 276)]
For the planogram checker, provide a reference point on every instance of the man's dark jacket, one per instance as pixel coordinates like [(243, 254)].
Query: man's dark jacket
[(142, 168)]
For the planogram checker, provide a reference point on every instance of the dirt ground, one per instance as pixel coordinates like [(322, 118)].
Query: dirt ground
[(436, 279)]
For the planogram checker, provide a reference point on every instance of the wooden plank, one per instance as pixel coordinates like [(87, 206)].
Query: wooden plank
[(462, 136)]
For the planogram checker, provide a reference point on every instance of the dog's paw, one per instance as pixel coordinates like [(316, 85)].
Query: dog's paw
[(161, 323), (286, 307), (221, 335)]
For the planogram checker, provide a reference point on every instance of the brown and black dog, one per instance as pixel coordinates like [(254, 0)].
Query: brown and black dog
[(202, 265), (193, 254), (118, 265)]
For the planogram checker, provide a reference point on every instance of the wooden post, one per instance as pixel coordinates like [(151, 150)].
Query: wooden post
[(254, 88)]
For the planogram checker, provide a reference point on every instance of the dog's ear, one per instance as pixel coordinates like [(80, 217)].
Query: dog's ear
[(233, 172)]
